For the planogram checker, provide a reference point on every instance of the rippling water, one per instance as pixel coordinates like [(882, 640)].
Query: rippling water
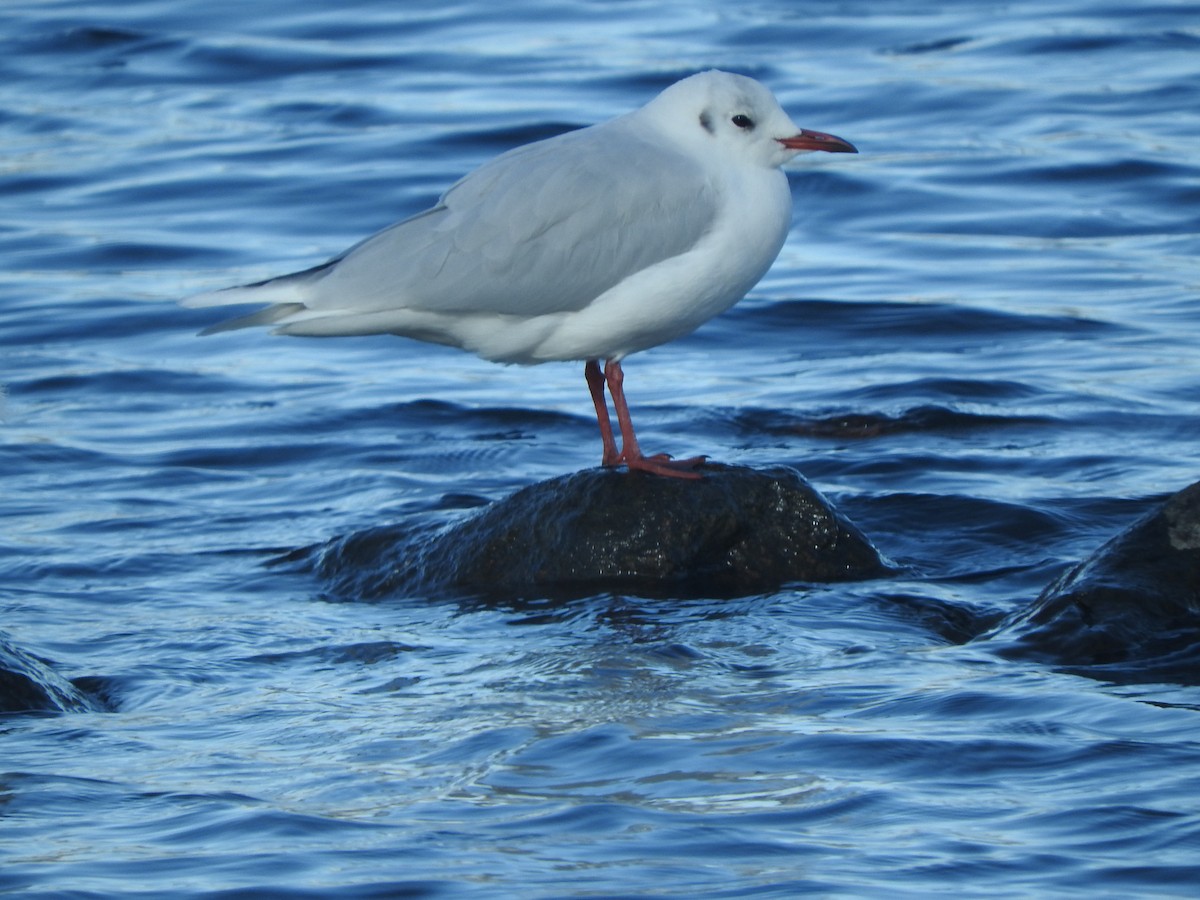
[(981, 341)]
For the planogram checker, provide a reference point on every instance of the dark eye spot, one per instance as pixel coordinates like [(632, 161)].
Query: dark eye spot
[(742, 121), (706, 122)]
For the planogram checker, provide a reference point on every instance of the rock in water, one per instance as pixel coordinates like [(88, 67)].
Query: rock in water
[(737, 531), (1129, 612), (27, 684)]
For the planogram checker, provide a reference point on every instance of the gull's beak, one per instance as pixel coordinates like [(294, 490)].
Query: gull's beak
[(817, 140)]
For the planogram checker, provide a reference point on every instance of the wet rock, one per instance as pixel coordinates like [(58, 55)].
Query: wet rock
[(1129, 612), (737, 531), (28, 684)]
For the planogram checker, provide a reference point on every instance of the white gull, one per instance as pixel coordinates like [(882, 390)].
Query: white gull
[(590, 246)]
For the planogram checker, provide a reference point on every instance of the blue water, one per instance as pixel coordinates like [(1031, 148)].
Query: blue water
[(982, 342)]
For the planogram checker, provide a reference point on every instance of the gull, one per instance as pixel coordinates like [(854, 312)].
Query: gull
[(587, 246)]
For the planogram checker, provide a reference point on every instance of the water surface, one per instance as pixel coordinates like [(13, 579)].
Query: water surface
[(981, 341)]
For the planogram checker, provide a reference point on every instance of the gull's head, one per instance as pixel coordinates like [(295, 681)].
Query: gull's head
[(735, 115)]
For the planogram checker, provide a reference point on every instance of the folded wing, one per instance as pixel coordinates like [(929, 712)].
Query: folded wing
[(544, 228)]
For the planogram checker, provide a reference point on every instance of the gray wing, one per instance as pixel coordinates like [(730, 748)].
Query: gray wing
[(544, 228)]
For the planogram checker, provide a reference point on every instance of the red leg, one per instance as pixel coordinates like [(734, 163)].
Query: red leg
[(631, 453), (595, 382)]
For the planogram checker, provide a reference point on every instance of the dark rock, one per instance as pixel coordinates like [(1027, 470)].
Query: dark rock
[(1129, 612), (28, 684), (737, 531)]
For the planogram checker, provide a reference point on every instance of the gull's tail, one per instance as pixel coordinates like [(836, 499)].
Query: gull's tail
[(286, 295)]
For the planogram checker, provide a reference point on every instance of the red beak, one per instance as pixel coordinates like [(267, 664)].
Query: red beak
[(817, 140)]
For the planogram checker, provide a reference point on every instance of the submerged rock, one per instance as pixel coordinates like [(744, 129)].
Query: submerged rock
[(28, 684), (737, 531), (1130, 611)]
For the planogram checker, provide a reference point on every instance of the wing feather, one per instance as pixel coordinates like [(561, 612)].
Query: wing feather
[(545, 228)]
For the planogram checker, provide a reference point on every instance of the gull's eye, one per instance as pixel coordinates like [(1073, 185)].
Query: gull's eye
[(742, 121)]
